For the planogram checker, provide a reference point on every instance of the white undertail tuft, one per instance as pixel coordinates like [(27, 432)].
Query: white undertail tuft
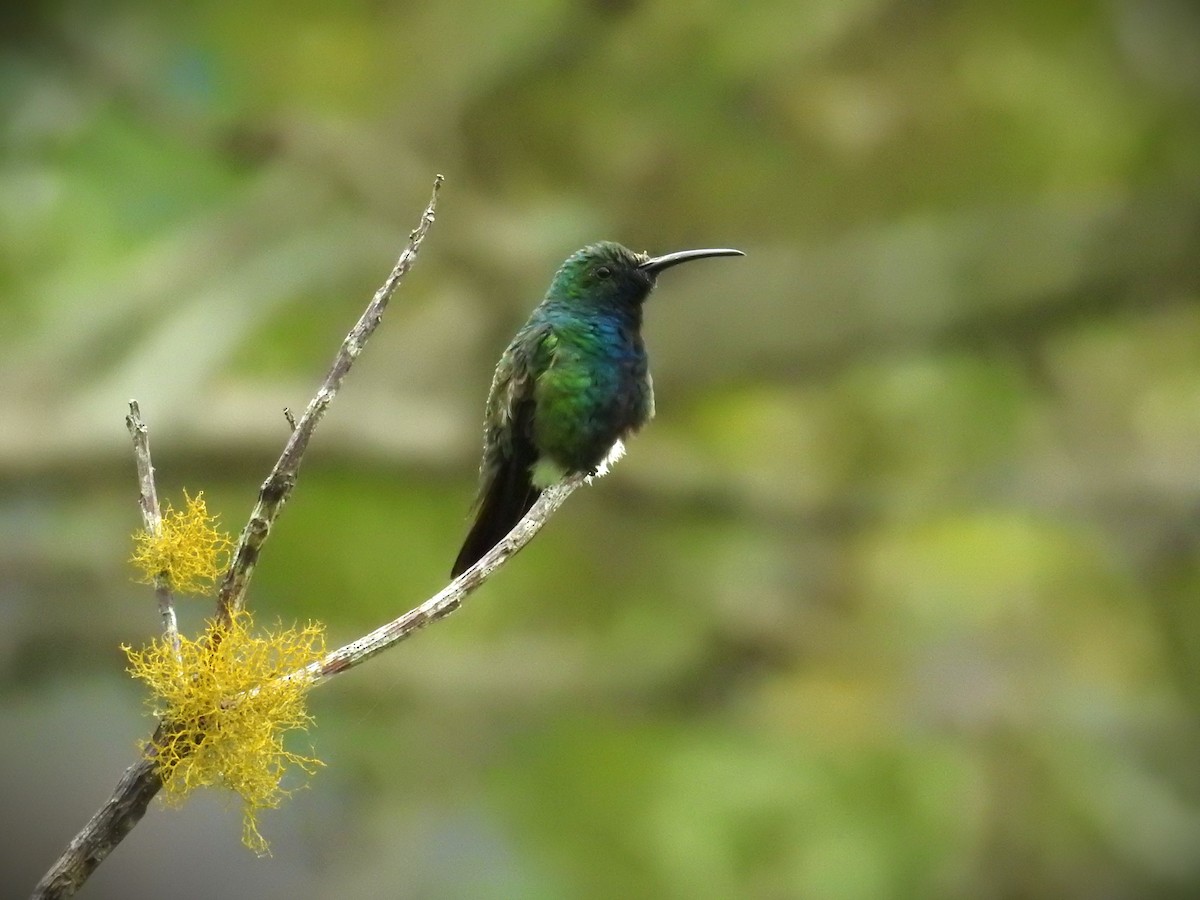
[(614, 453)]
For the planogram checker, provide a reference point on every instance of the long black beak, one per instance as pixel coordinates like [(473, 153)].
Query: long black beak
[(656, 264)]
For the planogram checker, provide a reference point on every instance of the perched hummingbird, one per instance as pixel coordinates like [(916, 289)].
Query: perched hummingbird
[(570, 387)]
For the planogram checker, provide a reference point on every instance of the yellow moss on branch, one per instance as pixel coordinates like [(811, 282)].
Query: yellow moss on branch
[(228, 710), (187, 550)]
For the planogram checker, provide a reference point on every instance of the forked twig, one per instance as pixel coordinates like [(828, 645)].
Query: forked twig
[(127, 805)]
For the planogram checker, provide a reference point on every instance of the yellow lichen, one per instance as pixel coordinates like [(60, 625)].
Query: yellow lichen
[(227, 707), (187, 550)]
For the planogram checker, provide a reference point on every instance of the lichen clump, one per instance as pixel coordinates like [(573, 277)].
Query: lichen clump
[(187, 551), (226, 701)]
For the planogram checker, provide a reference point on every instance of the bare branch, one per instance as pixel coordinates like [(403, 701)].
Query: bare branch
[(279, 484), (152, 517), (450, 597)]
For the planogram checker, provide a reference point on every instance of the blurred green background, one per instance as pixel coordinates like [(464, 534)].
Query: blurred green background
[(897, 597)]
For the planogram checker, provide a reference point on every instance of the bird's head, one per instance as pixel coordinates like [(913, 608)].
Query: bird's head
[(608, 274)]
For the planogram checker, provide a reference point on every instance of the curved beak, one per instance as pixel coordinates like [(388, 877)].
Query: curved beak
[(656, 264)]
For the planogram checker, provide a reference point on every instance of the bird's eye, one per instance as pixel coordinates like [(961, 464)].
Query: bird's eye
[(603, 272)]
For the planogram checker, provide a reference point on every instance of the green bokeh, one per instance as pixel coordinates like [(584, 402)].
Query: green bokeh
[(897, 596)]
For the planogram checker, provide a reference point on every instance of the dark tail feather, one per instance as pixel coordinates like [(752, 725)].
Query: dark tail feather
[(508, 496)]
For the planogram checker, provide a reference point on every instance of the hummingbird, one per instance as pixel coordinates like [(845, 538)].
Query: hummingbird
[(573, 384)]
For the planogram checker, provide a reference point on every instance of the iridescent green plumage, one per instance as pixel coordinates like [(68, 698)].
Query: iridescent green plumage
[(572, 384)]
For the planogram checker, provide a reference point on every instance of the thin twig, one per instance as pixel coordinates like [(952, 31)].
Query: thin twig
[(279, 484), (152, 517), (450, 597)]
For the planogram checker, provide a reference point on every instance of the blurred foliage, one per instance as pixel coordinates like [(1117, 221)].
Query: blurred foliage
[(896, 598)]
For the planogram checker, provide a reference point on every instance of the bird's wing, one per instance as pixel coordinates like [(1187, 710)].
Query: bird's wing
[(506, 489), (511, 399)]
